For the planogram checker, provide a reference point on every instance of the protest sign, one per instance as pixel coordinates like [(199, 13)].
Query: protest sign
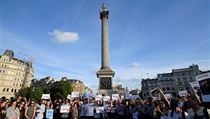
[(68, 96), (106, 98), (115, 97), (74, 94), (122, 97), (135, 96), (195, 86), (49, 114), (128, 96), (204, 84), (99, 109), (64, 109), (45, 96), (167, 95), (183, 93)]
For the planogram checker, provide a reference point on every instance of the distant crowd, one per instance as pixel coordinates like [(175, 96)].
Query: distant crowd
[(188, 107)]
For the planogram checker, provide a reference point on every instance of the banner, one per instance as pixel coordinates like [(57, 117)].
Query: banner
[(115, 97), (204, 84), (65, 109), (49, 114), (183, 93), (45, 96), (74, 94)]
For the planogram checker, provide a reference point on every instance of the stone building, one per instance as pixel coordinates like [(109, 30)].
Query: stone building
[(147, 85), (172, 83), (14, 74), (76, 84)]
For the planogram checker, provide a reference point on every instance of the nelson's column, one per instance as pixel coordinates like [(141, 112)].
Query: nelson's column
[(105, 74)]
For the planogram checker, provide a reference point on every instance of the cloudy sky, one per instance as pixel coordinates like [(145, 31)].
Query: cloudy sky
[(62, 37)]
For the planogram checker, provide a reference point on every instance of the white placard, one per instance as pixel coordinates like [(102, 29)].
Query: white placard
[(74, 94), (156, 98), (64, 109), (195, 86), (99, 109), (204, 84), (122, 97), (99, 97), (168, 95), (49, 114), (106, 98), (135, 97), (128, 96), (69, 96), (45, 96), (115, 97), (183, 93)]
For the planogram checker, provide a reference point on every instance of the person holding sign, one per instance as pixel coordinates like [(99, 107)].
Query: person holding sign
[(65, 108)]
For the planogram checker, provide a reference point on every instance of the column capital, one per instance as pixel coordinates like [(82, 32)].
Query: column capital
[(104, 14)]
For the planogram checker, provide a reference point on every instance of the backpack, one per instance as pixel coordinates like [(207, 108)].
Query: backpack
[(183, 114)]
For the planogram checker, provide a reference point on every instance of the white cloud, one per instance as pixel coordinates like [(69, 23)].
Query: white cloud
[(134, 65), (64, 37)]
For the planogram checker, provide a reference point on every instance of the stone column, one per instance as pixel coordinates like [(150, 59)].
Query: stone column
[(105, 40)]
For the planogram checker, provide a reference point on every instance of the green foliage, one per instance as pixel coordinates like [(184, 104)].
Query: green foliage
[(56, 90)]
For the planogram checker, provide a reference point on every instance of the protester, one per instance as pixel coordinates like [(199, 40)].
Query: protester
[(30, 110), (13, 112)]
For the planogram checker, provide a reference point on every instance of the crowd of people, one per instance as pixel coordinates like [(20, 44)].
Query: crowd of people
[(188, 107)]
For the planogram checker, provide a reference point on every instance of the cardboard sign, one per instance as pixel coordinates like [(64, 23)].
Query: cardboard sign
[(204, 84), (74, 94), (115, 97), (99, 97), (183, 93), (49, 113), (45, 96), (106, 98), (64, 109), (68, 96)]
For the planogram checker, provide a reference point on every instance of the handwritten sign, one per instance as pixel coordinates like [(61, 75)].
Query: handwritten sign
[(106, 98), (45, 96), (204, 84), (99, 109), (115, 97), (75, 94), (64, 109), (183, 93)]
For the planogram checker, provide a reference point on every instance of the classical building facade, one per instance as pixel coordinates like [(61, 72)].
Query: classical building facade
[(14, 74), (172, 83)]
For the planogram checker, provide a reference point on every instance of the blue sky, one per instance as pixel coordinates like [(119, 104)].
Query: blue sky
[(146, 37)]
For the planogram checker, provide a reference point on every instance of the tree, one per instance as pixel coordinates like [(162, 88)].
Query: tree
[(63, 89)]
